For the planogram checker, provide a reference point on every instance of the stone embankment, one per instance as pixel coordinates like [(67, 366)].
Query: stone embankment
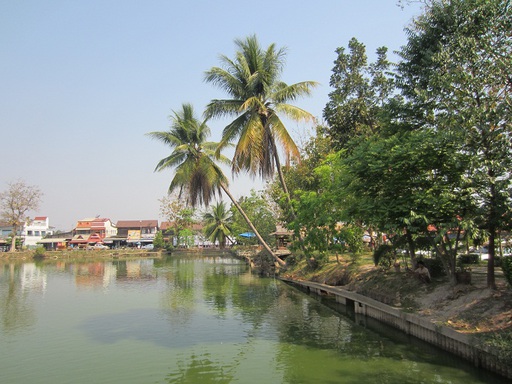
[(441, 336)]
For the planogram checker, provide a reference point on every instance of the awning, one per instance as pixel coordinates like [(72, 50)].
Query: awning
[(111, 240), (247, 234), (53, 240)]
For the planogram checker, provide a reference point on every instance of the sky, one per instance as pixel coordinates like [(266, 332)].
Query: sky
[(83, 81)]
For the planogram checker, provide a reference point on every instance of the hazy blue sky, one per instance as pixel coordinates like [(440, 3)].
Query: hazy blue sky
[(82, 81)]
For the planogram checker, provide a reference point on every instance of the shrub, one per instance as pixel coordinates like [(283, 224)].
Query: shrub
[(159, 242), (384, 255), (291, 260), (435, 267), (506, 266), (501, 343), (318, 259), (353, 237), (471, 258), (39, 252)]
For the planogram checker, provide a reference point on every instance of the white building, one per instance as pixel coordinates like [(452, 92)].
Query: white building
[(35, 230)]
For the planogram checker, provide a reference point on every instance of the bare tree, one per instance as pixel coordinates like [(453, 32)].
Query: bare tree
[(15, 202)]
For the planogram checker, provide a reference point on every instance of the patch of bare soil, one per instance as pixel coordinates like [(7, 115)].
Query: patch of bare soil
[(467, 308)]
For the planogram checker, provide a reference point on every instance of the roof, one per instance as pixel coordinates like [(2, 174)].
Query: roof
[(92, 223), (77, 239), (54, 240), (281, 231), (136, 223), (167, 224)]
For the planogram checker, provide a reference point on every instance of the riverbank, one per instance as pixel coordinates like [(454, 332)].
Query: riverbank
[(79, 254), (469, 309)]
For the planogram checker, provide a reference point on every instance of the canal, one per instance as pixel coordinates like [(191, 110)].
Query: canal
[(194, 319)]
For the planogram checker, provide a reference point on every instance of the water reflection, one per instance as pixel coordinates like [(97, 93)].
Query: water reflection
[(202, 368), (18, 285), (195, 319)]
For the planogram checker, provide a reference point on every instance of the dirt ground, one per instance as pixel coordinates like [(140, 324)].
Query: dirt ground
[(468, 308)]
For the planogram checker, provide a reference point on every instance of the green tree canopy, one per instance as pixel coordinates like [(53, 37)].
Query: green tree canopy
[(360, 91), (257, 209), (455, 73)]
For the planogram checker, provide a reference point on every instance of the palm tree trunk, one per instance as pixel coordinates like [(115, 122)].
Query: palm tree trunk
[(253, 228), (281, 178)]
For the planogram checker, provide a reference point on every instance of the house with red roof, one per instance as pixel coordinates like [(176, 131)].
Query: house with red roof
[(92, 231)]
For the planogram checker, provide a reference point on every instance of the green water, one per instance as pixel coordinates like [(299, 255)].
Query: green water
[(193, 319)]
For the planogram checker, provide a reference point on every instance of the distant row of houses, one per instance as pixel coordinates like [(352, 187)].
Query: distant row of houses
[(95, 231), (87, 232)]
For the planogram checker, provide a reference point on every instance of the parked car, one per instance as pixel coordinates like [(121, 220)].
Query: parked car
[(148, 246), (97, 246)]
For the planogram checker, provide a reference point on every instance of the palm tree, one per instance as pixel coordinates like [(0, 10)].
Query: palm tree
[(218, 224), (197, 176), (258, 98)]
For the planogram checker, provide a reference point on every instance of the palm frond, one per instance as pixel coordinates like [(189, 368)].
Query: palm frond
[(283, 92), (294, 113), (221, 108)]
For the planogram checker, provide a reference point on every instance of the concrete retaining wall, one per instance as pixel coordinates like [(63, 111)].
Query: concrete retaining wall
[(443, 337)]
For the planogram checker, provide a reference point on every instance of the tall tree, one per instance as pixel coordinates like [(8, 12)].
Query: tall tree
[(258, 100), (258, 209), (15, 202), (300, 176), (175, 210), (360, 91), (456, 73), (194, 160), (412, 183), (218, 224)]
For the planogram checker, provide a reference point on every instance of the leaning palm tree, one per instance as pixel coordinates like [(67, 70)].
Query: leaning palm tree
[(218, 224), (197, 176), (258, 99)]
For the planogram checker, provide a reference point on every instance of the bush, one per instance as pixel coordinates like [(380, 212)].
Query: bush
[(39, 252), (159, 242), (353, 237), (291, 260), (472, 258), (506, 266), (501, 343), (435, 267), (384, 255), (318, 259)]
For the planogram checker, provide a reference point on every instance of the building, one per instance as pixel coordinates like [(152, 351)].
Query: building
[(92, 231), (5, 233), (135, 232), (34, 231), (283, 239)]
